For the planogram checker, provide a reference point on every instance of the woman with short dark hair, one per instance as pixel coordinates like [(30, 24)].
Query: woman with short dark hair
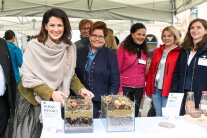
[(97, 66)]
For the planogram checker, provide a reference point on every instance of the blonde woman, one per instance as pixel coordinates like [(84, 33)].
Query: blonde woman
[(162, 68), (110, 41)]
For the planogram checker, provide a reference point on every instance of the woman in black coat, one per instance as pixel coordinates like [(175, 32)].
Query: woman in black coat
[(7, 95), (191, 69)]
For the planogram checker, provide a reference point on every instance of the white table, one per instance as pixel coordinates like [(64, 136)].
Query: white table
[(145, 127)]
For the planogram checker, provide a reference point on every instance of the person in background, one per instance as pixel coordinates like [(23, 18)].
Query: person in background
[(7, 89), (15, 52), (97, 66), (48, 67), (111, 32), (84, 27), (133, 56), (191, 68), (110, 41), (162, 68)]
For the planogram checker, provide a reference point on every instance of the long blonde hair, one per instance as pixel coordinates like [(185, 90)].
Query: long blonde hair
[(110, 42)]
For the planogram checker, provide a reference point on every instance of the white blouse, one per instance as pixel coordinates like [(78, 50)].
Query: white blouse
[(2, 82), (191, 57)]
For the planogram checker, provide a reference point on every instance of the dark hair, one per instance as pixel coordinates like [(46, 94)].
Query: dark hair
[(9, 34), (83, 22), (99, 25), (131, 46), (188, 38), (54, 12), (110, 30)]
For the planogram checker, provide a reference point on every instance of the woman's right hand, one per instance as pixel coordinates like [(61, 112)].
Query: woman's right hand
[(58, 96)]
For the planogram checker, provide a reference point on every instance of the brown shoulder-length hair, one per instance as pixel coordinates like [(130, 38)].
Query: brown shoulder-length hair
[(83, 22), (54, 12), (188, 41), (131, 46), (100, 25)]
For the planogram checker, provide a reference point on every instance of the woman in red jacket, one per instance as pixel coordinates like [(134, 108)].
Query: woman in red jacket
[(162, 68), (132, 58)]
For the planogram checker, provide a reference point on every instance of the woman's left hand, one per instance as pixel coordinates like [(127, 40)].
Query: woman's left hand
[(86, 93)]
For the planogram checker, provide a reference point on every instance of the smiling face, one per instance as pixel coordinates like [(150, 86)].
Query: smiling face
[(139, 36), (97, 39), (197, 31), (55, 29), (168, 39)]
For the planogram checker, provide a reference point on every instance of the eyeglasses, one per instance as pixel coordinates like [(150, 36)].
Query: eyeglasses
[(86, 28), (94, 36)]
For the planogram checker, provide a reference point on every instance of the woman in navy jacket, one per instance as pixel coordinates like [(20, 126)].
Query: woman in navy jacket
[(191, 68), (97, 66)]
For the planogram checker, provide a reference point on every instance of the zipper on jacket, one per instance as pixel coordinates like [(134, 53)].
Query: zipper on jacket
[(167, 68), (164, 73), (156, 68), (187, 55), (193, 73)]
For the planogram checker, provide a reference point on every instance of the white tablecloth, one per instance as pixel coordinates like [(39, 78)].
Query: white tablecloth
[(145, 127)]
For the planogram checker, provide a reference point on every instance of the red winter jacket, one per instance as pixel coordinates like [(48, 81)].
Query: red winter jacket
[(168, 71)]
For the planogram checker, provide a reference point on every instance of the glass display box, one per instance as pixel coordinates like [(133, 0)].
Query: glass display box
[(117, 113), (78, 115)]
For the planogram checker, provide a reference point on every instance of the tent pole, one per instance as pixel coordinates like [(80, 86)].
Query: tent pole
[(173, 12)]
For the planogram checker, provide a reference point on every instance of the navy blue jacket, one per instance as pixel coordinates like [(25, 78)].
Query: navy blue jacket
[(104, 76), (199, 75)]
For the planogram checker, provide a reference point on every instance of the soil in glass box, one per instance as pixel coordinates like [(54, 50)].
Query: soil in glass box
[(78, 115), (117, 113)]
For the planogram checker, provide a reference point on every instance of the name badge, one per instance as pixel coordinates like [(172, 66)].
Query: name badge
[(141, 61), (202, 61)]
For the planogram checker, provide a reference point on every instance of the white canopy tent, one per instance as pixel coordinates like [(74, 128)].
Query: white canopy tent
[(28, 13)]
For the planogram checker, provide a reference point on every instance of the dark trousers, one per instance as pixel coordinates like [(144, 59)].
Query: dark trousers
[(134, 94), (96, 109), (4, 115), (151, 112)]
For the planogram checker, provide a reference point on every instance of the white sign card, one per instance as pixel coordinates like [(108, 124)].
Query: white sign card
[(51, 114), (173, 104)]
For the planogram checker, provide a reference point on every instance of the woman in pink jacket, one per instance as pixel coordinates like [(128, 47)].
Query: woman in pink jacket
[(132, 59)]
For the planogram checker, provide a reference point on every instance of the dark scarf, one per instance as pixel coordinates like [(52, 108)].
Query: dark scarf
[(139, 48), (84, 40)]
